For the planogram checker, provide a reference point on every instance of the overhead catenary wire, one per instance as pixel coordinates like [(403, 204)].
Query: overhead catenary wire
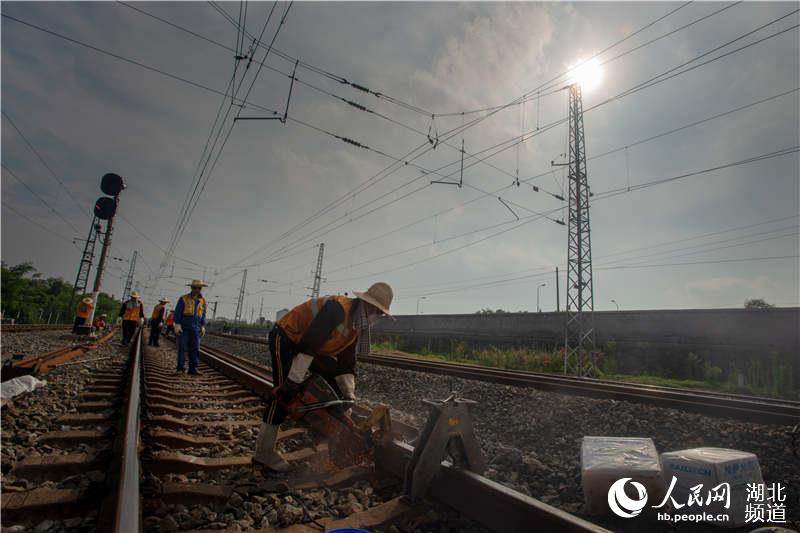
[(597, 197), (604, 154)]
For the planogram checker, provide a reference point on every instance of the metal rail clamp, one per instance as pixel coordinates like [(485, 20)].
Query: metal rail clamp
[(448, 432)]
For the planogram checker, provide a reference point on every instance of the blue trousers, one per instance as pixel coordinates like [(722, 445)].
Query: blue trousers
[(189, 342)]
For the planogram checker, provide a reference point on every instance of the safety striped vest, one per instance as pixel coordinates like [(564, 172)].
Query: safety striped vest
[(84, 310), (188, 305), (132, 311), (157, 311), (296, 322)]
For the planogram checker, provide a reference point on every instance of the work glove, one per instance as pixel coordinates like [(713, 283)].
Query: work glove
[(141, 321), (119, 320), (178, 330), (347, 384), (300, 364), (203, 331)]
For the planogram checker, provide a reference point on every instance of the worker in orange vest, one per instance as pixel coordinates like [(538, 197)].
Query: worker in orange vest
[(323, 335), (132, 314), (170, 322), (155, 321), (100, 322), (82, 313)]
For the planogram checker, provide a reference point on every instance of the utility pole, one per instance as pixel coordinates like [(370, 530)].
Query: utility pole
[(105, 208), (252, 310), (579, 346), (261, 309), (558, 296), (240, 302), (318, 272), (129, 280), (85, 267), (214, 311)]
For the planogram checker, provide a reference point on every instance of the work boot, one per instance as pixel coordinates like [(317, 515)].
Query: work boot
[(265, 449)]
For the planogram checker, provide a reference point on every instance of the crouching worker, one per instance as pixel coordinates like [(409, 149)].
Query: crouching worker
[(100, 322), (323, 335)]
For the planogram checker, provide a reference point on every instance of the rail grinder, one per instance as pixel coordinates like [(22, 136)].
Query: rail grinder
[(349, 441)]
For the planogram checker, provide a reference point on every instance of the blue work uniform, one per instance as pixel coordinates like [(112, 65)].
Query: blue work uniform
[(190, 313)]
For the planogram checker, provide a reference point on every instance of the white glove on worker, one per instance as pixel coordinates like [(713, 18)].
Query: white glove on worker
[(203, 331), (119, 320), (141, 321), (347, 384), (300, 364), (178, 330)]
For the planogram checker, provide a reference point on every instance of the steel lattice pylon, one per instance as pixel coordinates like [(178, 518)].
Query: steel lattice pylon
[(579, 347), (240, 302), (129, 280), (318, 272), (82, 279)]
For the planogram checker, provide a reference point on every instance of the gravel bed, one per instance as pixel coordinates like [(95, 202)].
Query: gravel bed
[(251, 505), (32, 414), (26, 344), (532, 439)]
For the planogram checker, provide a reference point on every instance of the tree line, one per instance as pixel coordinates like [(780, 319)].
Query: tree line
[(29, 298)]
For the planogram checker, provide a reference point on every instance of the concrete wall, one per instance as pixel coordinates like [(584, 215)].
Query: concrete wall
[(644, 339)]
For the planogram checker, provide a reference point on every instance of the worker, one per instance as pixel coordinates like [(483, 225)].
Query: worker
[(155, 321), (190, 325), (82, 313), (170, 322), (100, 322), (132, 314), (325, 335)]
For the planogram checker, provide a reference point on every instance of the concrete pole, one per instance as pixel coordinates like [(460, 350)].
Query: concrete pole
[(98, 279)]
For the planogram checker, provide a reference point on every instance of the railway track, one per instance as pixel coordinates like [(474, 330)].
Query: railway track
[(19, 328), (146, 450), (746, 408)]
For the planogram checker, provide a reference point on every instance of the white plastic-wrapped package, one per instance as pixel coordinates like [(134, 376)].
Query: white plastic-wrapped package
[(711, 467), (605, 460), (15, 387)]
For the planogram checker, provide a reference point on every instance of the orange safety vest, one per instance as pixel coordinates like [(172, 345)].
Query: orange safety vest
[(296, 322), (84, 310), (171, 318), (132, 311), (157, 310)]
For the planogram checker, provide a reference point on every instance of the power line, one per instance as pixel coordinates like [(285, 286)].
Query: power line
[(463, 204), (597, 197), (34, 222), (34, 193)]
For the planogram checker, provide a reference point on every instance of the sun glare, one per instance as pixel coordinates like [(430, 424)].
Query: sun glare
[(588, 74)]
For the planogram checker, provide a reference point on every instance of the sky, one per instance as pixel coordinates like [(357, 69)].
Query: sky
[(705, 239)]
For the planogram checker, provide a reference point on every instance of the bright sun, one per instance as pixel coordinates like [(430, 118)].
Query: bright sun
[(588, 74)]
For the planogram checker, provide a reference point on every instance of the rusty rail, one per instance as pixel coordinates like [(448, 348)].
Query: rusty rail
[(745, 408), (487, 502), (41, 364)]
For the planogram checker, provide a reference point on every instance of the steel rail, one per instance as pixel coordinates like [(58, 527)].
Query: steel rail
[(483, 500), (745, 408), (128, 513)]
